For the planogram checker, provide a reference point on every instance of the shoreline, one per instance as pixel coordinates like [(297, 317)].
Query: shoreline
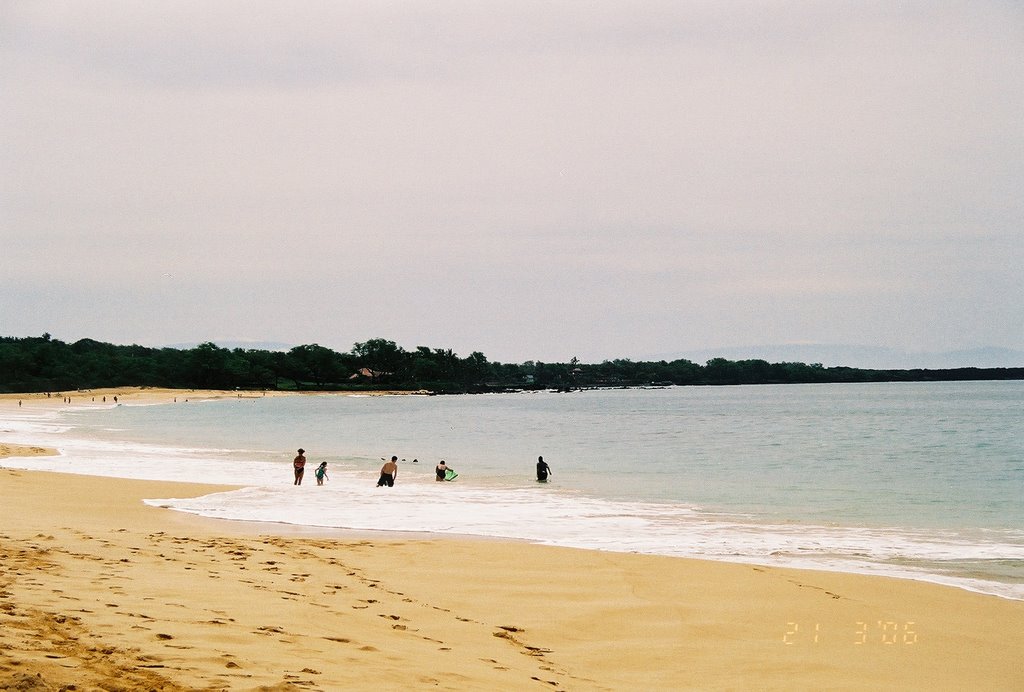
[(166, 395), (102, 587), (968, 581)]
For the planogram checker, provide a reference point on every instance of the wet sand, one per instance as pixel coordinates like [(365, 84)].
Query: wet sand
[(99, 590)]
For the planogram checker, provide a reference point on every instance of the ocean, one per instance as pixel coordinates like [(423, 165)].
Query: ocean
[(915, 480)]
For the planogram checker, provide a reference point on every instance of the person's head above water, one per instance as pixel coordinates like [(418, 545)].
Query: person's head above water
[(301, 450), (394, 458)]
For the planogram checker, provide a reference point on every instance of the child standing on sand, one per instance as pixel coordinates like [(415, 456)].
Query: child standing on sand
[(321, 473)]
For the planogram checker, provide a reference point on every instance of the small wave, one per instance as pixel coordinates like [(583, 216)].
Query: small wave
[(552, 519)]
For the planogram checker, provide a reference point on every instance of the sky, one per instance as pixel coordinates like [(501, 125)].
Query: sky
[(533, 180)]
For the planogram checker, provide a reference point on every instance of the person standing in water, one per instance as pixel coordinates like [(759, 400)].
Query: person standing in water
[(388, 473), (300, 466), (440, 470), (543, 470), (321, 473)]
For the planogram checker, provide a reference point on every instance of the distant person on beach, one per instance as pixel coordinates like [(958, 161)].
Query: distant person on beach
[(441, 469), (300, 466), (543, 470), (321, 473), (388, 473)]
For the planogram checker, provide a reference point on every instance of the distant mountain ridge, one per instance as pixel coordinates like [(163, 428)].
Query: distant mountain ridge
[(854, 356)]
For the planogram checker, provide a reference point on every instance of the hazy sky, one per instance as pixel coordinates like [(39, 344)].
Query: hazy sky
[(534, 180)]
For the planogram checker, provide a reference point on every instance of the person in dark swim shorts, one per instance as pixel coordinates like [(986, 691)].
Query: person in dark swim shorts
[(543, 470), (300, 466), (388, 473)]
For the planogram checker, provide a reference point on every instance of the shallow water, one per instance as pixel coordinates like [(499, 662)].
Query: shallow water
[(924, 480)]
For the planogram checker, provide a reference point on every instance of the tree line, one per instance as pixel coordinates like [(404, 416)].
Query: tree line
[(38, 364)]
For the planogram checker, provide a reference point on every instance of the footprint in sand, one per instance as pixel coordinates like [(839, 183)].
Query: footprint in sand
[(550, 682)]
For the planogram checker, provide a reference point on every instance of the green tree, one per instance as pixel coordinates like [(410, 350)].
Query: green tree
[(264, 368), (384, 360), (209, 365), (721, 371), (315, 362), (475, 369)]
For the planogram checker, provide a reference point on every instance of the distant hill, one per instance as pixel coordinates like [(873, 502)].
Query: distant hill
[(872, 357)]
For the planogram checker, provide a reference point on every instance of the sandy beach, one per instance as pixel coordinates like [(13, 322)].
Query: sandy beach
[(100, 591), (159, 395)]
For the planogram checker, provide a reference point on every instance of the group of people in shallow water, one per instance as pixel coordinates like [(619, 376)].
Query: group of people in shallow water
[(389, 471)]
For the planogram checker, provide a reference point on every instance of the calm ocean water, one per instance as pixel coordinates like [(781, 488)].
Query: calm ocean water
[(921, 480)]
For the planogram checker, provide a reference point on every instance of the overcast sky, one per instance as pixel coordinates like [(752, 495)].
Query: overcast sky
[(531, 180)]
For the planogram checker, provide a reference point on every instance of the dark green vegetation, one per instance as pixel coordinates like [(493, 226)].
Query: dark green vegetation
[(37, 364)]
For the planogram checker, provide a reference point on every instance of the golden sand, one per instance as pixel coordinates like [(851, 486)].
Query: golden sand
[(98, 590), (160, 395), (12, 450), (127, 395)]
